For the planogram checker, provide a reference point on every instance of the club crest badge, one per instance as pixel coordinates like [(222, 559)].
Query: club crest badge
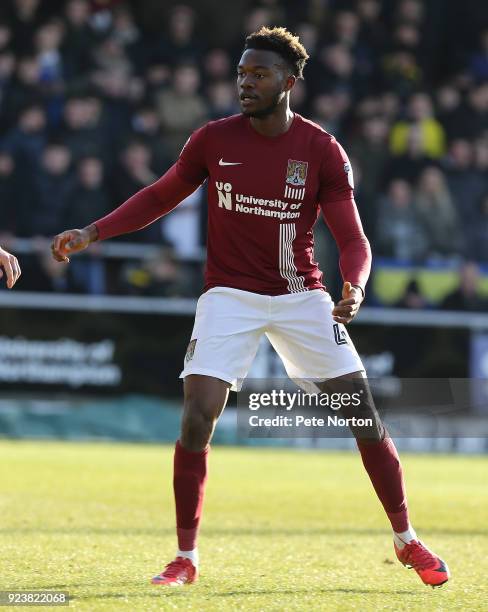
[(190, 351), (296, 173)]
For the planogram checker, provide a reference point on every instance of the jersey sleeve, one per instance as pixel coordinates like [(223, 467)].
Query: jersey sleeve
[(191, 165), (336, 179), (145, 206)]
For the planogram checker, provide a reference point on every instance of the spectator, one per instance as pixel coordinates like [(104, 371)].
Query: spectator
[(412, 297), (83, 128), (45, 200), (346, 29), (47, 43), (466, 296), (5, 37), (337, 71), (89, 199), (26, 141), (110, 56), (451, 113), (420, 117), (437, 213), (259, 16), (372, 32), (125, 30), (182, 228), (466, 183), (24, 89), (8, 194), (180, 45), (406, 346), (328, 112), (25, 19), (120, 96), (481, 156), (158, 276), (181, 108), (412, 163), (7, 70), (410, 12), (400, 72), (79, 39), (478, 64), (370, 150), (40, 272), (389, 105), (400, 233), (120, 93), (217, 65), (133, 172), (406, 37), (478, 233), (299, 95), (222, 99), (146, 127), (475, 121)]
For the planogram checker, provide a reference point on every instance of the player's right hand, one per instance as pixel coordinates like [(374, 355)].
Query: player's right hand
[(68, 242)]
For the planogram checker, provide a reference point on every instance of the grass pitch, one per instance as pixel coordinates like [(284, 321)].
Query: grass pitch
[(283, 530)]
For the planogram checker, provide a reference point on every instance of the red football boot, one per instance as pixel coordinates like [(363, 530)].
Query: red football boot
[(178, 572), (431, 569)]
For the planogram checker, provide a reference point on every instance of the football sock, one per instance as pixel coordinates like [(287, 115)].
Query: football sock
[(385, 471), (190, 477), (190, 554), (404, 537)]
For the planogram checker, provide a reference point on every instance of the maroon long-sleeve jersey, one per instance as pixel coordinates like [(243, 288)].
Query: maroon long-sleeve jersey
[(264, 197)]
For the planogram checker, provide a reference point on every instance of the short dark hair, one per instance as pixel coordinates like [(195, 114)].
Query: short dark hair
[(282, 42)]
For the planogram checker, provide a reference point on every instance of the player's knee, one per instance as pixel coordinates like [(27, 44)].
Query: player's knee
[(197, 424), (366, 424), (364, 420)]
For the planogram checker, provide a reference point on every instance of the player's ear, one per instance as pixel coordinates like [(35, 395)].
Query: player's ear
[(290, 82)]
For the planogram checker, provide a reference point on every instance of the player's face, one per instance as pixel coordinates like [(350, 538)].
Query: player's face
[(262, 82)]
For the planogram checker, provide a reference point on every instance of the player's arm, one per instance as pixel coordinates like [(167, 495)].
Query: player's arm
[(10, 267), (336, 199), (145, 206), (345, 225)]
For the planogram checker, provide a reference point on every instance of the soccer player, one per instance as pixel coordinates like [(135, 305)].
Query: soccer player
[(270, 174), (9, 266)]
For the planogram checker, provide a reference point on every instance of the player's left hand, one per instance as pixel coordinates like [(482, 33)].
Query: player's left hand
[(10, 267), (346, 309)]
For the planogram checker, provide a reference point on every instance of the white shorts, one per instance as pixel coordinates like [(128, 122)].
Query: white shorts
[(229, 324)]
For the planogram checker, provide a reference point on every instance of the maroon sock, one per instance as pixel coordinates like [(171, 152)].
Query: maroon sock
[(385, 471), (190, 477)]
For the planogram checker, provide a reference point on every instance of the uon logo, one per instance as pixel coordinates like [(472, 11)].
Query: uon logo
[(225, 195)]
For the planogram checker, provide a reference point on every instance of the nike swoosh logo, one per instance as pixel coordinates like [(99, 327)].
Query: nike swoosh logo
[(223, 163), (442, 567)]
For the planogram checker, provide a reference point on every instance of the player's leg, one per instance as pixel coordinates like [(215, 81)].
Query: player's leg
[(381, 461), (205, 398), (314, 348), (225, 338), (377, 449)]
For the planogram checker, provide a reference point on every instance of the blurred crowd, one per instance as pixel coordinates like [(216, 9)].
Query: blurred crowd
[(97, 98)]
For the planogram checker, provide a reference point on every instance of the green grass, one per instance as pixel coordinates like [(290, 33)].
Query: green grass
[(283, 530)]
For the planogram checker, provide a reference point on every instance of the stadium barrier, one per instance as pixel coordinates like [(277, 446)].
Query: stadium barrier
[(107, 367)]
